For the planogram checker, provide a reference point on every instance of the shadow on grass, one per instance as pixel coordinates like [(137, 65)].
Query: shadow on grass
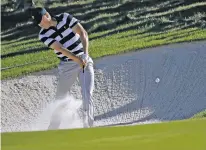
[(25, 38), (157, 28), (18, 28), (132, 27), (25, 52), (170, 5), (16, 44), (11, 19), (104, 23), (21, 32)]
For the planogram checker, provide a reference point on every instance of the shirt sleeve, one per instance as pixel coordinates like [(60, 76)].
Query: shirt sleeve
[(70, 20), (46, 40)]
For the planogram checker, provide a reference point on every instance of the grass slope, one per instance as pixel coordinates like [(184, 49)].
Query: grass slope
[(178, 135), (114, 27)]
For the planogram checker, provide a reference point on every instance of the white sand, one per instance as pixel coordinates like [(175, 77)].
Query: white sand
[(157, 84)]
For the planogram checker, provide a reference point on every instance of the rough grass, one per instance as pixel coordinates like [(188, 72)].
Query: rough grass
[(178, 135), (114, 27)]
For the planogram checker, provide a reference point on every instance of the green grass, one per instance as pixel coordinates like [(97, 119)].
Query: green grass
[(114, 27), (115, 44), (177, 9), (57, 4), (200, 115), (177, 135), (20, 47)]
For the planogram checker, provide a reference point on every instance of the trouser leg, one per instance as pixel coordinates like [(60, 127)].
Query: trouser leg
[(87, 85), (68, 73)]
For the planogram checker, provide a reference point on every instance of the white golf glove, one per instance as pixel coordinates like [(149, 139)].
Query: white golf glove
[(85, 57)]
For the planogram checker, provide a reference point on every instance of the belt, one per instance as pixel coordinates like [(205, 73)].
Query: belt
[(65, 60)]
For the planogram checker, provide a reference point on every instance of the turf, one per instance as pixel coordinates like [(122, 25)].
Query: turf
[(178, 135), (115, 44), (114, 27)]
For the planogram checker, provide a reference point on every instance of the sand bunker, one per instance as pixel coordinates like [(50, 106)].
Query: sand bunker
[(157, 84)]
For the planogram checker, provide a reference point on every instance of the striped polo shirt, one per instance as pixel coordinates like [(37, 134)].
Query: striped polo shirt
[(63, 33)]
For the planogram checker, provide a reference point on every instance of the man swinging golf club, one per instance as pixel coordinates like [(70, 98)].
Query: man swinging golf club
[(69, 40)]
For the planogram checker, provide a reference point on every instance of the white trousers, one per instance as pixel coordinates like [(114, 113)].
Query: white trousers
[(69, 72)]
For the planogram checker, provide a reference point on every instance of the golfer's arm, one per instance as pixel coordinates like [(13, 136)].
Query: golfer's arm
[(78, 28), (57, 46)]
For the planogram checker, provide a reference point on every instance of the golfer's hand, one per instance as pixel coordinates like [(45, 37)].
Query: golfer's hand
[(85, 57), (81, 63)]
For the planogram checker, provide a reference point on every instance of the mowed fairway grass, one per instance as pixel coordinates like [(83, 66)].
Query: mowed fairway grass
[(177, 135)]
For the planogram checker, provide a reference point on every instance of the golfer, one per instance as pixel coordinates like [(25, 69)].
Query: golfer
[(66, 36)]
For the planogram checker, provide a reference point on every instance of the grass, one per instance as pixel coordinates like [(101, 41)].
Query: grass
[(20, 47), (178, 135), (114, 27), (115, 44), (200, 115), (177, 9), (57, 4)]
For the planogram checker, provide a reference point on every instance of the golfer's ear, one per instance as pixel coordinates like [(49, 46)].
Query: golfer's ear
[(48, 15), (79, 29)]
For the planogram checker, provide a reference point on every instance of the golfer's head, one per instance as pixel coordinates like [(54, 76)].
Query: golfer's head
[(41, 17)]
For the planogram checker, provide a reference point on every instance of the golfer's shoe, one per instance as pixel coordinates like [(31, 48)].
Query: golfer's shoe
[(85, 120)]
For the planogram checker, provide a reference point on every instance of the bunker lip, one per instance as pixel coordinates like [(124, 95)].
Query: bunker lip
[(126, 89)]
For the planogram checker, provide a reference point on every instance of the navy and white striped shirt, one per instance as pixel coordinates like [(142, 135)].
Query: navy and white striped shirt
[(63, 33)]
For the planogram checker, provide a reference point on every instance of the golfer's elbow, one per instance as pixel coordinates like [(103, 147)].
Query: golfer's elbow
[(84, 34)]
